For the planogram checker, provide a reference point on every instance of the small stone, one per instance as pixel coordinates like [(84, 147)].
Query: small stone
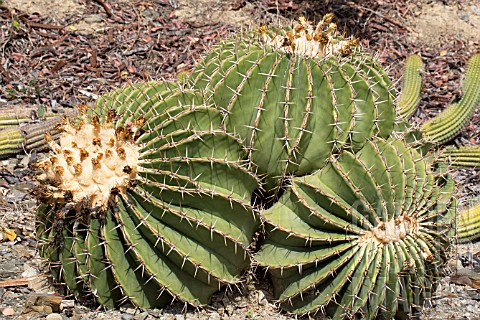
[(48, 302), (29, 272), (140, 316), (214, 316), (475, 10), (179, 317), (229, 310), (65, 304), (8, 312), (126, 316), (54, 316), (261, 298), (130, 311)]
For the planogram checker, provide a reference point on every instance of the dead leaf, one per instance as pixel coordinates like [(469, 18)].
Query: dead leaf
[(11, 235)]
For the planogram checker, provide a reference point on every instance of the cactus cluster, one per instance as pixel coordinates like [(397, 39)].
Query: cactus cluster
[(156, 192)]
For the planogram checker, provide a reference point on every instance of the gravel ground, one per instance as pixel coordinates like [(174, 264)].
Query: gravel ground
[(109, 43)]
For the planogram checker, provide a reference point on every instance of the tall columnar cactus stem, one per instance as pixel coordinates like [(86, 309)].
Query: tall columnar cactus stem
[(464, 156), (364, 237), (469, 223), (150, 205), (449, 123), (296, 95), (411, 85)]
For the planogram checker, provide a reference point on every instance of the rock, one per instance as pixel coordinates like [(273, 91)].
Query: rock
[(214, 316), (8, 312), (29, 272), (179, 317), (66, 304), (126, 316), (130, 311), (261, 298), (42, 302), (475, 10), (54, 316), (40, 284), (140, 316)]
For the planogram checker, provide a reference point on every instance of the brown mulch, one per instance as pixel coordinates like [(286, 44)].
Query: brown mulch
[(47, 63)]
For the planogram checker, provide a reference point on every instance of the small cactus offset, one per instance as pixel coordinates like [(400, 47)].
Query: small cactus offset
[(147, 206), (296, 95), (411, 85), (447, 124), (366, 236)]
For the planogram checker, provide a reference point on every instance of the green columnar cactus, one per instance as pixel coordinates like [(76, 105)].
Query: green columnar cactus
[(469, 223), (411, 84), (365, 236), (449, 123), (464, 156), (150, 205), (296, 95)]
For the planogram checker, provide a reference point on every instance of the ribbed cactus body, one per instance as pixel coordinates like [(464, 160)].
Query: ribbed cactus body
[(364, 236), (292, 109), (171, 216)]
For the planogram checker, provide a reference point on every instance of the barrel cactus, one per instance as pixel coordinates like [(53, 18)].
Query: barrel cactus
[(295, 95), (365, 236), (147, 206)]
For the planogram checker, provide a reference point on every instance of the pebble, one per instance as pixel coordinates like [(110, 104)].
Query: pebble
[(126, 316), (54, 316), (140, 316), (261, 298), (8, 312)]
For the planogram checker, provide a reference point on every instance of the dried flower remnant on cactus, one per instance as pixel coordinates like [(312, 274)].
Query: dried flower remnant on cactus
[(90, 161), (306, 40)]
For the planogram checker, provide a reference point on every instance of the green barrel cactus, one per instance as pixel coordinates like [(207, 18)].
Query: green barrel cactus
[(146, 199), (364, 237), (295, 95)]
